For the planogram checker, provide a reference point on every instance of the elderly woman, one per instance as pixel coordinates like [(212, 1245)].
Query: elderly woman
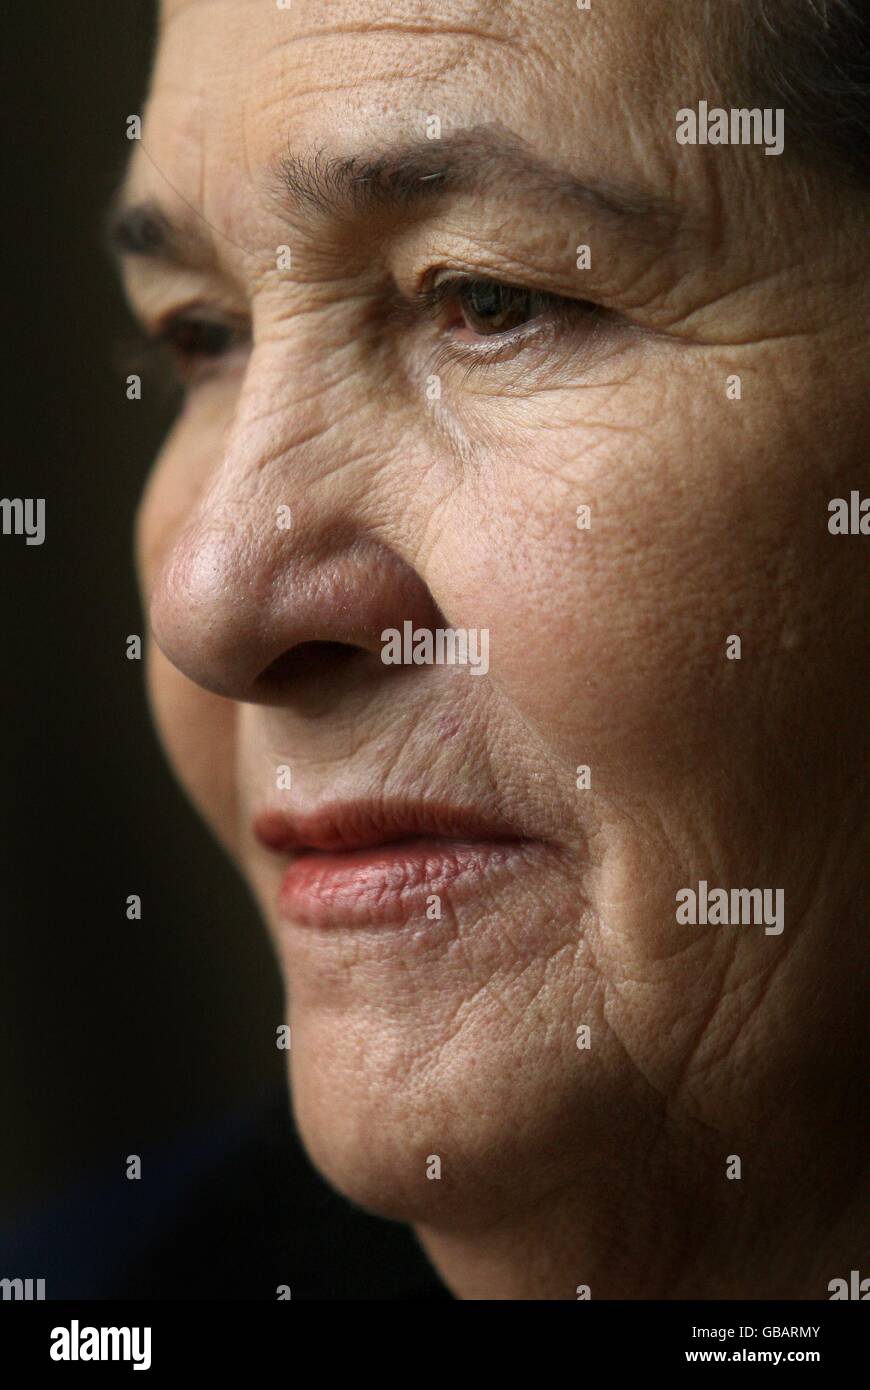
[(506, 581)]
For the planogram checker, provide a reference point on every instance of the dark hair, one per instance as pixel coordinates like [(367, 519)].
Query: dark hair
[(812, 58)]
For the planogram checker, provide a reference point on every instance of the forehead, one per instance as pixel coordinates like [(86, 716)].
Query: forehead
[(238, 83), (366, 56)]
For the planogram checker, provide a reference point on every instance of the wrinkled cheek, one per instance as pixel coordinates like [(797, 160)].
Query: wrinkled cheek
[(198, 733), (590, 652), (610, 577)]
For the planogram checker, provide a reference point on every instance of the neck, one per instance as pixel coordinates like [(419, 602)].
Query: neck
[(669, 1228)]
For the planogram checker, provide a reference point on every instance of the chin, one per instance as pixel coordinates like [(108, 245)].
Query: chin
[(369, 1141), (374, 1115), (376, 1130)]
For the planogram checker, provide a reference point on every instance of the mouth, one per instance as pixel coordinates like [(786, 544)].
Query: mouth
[(363, 864)]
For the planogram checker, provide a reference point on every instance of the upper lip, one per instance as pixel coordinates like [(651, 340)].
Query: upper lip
[(361, 824)]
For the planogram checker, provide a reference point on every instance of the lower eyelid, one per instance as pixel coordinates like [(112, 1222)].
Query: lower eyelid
[(560, 340), (497, 348)]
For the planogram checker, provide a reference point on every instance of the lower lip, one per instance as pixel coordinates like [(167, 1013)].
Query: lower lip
[(388, 883)]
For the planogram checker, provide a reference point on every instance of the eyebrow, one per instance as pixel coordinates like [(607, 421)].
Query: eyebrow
[(483, 159), (145, 229), (406, 178)]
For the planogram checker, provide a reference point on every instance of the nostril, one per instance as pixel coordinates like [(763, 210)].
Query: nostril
[(310, 660)]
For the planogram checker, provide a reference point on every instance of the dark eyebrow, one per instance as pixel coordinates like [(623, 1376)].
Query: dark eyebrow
[(144, 229), (482, 159)]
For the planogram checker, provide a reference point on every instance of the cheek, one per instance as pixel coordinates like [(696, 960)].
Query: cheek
[(611, 641), (199, 735)]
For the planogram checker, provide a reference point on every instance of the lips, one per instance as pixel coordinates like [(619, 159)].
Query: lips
[(364, 863)]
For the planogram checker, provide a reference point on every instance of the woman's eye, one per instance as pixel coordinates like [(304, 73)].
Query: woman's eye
[(194, 339), (193, 346), (488, 308), (472, 312)]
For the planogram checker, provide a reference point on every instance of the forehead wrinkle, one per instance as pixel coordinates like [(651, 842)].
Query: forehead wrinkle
[(418, 23), (366, 30), (428, 64)]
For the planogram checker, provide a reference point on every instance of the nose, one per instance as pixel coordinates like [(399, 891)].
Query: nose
[(246, 605)]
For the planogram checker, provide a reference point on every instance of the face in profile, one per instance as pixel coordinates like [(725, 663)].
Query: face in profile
[(497, 628)]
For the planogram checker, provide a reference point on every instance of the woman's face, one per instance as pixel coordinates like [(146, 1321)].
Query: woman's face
[(338, 186)]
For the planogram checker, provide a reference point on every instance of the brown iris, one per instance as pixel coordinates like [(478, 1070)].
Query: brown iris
[(489, 308)]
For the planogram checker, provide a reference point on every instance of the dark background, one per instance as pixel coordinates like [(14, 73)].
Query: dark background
[(116, 1037)]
